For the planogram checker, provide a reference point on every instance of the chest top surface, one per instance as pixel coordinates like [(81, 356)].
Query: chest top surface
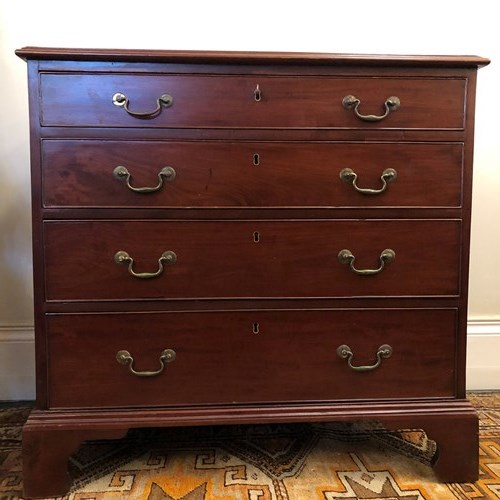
[(245, 57)]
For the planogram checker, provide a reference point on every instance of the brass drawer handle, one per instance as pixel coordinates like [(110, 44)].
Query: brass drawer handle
[(167, 258), (125, 358), (122, 174), (388, 175), (346, 257), (344, 351), (164, 101), (391, 104)]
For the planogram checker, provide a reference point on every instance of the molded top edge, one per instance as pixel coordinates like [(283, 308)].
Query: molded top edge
[(218, 57)]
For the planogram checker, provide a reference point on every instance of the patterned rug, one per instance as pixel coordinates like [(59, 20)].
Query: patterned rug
[(333, 461)]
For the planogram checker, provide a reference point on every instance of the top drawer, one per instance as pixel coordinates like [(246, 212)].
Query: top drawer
[(214, 101)]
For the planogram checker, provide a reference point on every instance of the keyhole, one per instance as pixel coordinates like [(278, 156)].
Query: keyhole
[(257, 93), (256, 237), (256, 159), (255, 328)]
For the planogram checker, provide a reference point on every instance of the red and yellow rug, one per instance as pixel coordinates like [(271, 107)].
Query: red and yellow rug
[(276, 462)]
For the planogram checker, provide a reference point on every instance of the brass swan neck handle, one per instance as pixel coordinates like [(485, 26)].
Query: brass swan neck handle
[(391, 104)]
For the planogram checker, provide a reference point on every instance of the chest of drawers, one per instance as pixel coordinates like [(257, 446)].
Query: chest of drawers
[(245, 238)]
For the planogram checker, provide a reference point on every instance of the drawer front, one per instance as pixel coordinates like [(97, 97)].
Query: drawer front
[(247, 259), (199, 101), (220, 359), (250, 174)]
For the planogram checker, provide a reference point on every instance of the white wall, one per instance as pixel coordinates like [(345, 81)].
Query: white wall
[(424, 27)]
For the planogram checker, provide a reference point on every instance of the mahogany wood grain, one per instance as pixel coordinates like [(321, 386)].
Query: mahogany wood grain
[(260, 135), (251, 213), (461, 346), (247, 57), (249, 357), (46, 454), (250, 174), (457, 458), (211, 101), (456, 436), (289, 279), (221, 259), (452, 424)]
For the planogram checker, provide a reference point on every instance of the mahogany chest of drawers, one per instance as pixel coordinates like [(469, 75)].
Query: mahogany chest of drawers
[(248, 237)]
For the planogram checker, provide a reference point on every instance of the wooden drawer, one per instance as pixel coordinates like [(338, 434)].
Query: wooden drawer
[(247, 259), (214, 101), (249, 174), (219, 358)]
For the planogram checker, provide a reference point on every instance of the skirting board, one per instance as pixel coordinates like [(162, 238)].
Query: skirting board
[(17, 363), (17, 353), (483, 355)]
